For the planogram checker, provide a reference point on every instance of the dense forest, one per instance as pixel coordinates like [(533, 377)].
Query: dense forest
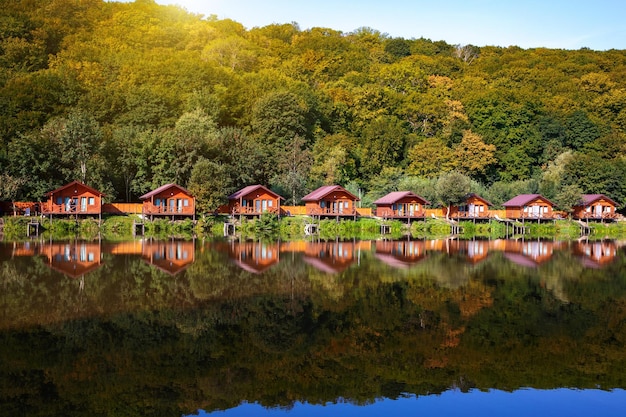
[(129, 96)]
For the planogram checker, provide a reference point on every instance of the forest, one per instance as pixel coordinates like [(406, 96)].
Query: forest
[(129, 96)]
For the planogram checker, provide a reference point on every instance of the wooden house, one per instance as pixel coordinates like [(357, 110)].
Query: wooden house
[(170, 200), (170, 256), (529, 206), (331, 201), (401, 205), (473, 207), (73, 199), (595, 206), (254, 200)]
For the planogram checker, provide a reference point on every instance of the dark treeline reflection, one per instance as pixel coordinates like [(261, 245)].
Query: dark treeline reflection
[(170, 327)]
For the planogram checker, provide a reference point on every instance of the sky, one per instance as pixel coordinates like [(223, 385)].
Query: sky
[(562, 24)]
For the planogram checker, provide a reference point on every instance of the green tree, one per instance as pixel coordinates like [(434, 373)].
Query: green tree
[(293, 168), (210, 184), (473, 155), (451, 188), (568, 197)]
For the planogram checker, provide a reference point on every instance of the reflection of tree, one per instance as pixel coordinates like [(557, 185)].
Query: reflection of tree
[(214, 335)]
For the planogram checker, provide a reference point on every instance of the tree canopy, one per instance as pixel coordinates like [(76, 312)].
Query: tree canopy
[(127, 96)]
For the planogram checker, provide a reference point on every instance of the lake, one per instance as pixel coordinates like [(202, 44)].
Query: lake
[(315, 327)]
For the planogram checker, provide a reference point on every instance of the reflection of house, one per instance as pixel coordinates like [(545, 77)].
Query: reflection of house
[(473, 251), (595, 206), (74, 198), (331, 201), (473, 207), (529, 252), (333, 257), (169, 200), (73, 259), (254, 200), (595, 254), (254, 257), (400, 253), (171, 256), (401, 205), (529, 206)]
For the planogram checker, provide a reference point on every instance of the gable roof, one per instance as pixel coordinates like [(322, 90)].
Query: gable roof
[(251, 188), (324, 191), (470, 195), (161, 189), (75, 183), (395, 196), (588, 199), (523, 199)]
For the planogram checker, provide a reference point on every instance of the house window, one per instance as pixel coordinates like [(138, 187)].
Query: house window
[(270, 203), (186, 202), (59, 200), (322, 204), (92, 201)]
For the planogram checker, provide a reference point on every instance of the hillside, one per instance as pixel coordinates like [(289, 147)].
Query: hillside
[(128, 96)]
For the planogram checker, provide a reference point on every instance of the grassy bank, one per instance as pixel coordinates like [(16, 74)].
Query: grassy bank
[(121, 228)]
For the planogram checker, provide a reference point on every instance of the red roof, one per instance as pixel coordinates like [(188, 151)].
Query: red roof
[(523, 199), (324, 191), (588, 199), (250, 189), (72, 184), (161, 189), (396, 196)]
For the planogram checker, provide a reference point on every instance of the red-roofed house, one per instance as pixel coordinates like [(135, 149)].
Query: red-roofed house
[(401, 205), (254, 200), (74, 198), (529, 206), (595, 206), (169, 200), (330, 201), (473, 207)]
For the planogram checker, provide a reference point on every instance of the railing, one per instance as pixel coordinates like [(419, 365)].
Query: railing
[(150, 209), (251, 210), (69, 209), (327, 211), (402, 214)]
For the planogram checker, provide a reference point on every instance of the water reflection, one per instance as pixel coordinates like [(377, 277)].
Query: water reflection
[(172, 327)]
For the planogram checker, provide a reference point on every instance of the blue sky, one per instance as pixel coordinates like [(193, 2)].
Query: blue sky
[(566, 24)]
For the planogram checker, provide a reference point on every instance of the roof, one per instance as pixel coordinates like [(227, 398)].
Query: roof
[(399, 195), (74, 183), (161, 189), (249, 189), (324, 191), (470, 195), (588, 199), (523, 199)]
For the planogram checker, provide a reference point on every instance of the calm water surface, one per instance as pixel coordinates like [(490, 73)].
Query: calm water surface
[(363, 328)]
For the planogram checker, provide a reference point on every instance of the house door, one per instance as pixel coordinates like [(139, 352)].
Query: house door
[(68, 204), (264, 205), (179, 205), (598, 210), (257, 205), (83, 204), (536, 211), (341, 207), (471, 209), (172, 205), (411, 209)]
